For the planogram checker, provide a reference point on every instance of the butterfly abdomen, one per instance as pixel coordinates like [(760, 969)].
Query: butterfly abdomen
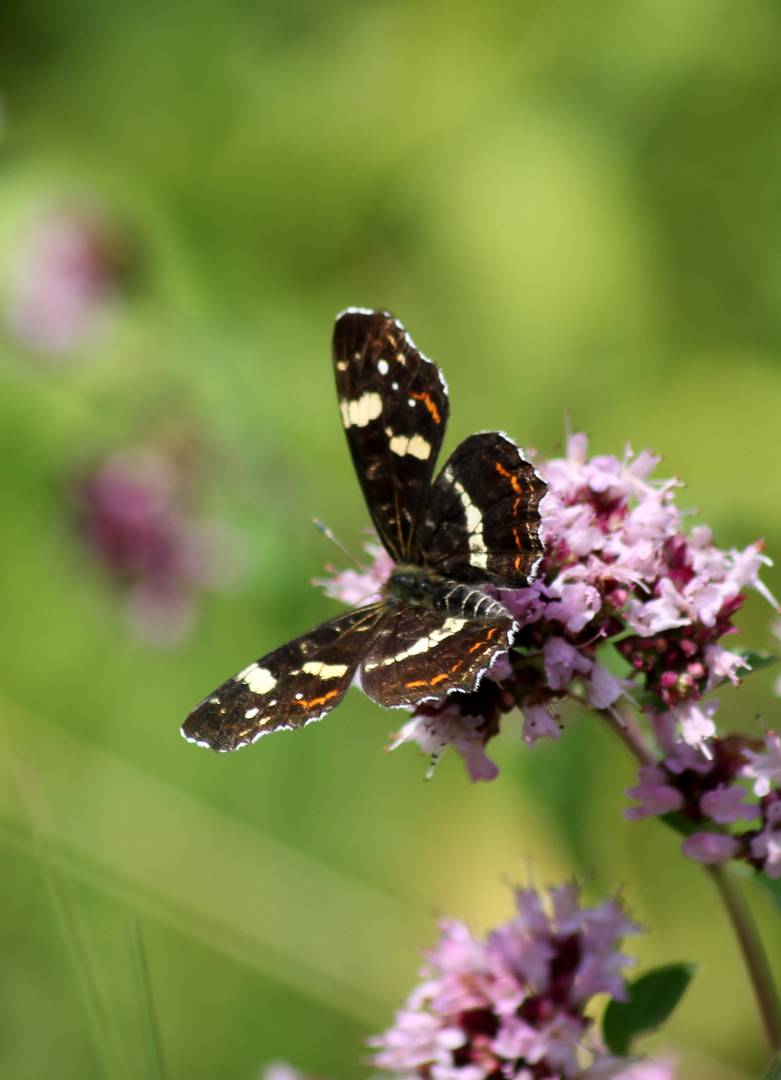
[(417, 585)]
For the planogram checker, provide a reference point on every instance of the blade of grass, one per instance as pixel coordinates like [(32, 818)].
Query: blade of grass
[(265, 919), (146, 1002), (101, 1022)]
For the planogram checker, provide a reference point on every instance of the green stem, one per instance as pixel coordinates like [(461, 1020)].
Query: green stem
[(754, 954), (629, 732)]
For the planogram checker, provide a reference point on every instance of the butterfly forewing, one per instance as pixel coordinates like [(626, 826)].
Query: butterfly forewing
[(483, 518), (394, 407), (289, 687)]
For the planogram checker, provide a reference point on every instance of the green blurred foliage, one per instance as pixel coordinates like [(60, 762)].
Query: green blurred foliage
[(573, 207)]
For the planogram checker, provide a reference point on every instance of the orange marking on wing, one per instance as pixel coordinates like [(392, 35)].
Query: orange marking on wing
[(455, 667), (513, 479), (479, 644), (518, 563), (420, 682), (518, 543), (318, 700), (430, 405), (438, 678)]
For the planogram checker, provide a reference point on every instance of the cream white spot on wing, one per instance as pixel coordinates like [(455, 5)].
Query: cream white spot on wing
[(341, 365), (383, 366), (401, 358), (360, 411), (325, 671), (419, 448), (416, 445), (250, 714), (258, 679), (474, 527), (422, 645), (394, 386), (411, 402)]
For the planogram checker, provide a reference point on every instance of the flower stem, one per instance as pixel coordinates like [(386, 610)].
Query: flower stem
[(753, 953), (630, 734)]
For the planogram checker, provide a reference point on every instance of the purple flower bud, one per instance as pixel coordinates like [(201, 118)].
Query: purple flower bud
[(562, 661), (538, 722), (725, 805), (764, 769), (708, 847), (654, 794)]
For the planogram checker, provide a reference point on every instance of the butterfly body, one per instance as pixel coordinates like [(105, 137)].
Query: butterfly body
[(435, 629)]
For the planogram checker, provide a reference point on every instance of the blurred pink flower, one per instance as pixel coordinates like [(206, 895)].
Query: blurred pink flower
[(64, 281), (132, 511)]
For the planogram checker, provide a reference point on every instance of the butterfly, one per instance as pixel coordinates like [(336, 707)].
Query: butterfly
[(435, 629)]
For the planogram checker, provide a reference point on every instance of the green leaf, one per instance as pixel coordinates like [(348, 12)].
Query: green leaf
[(683, 825), (774, 1072), (647, 700), (772, 887), (752, 661), (652, 998), (758, 659)]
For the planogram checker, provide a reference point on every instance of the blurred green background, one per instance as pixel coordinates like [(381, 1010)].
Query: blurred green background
[(572, 206)]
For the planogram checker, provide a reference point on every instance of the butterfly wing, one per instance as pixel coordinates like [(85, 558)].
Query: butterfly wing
[(395, 407), (482, 522), (288, 688), (420, 655)]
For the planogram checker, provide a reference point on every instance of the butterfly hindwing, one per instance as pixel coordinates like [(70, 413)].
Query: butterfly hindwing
[(394, 407), (422, 654), (289, 687), (482, 520)]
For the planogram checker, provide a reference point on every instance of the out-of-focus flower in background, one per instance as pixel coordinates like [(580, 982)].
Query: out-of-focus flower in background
[(64, 279), (133, 511)]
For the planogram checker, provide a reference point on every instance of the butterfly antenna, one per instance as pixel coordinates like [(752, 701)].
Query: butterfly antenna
[(318, 524)]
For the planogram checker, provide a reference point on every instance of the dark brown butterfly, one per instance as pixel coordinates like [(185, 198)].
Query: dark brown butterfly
[(435, 630)]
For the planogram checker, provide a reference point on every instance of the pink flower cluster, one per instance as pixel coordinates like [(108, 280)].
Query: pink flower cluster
[(616, 560), (706, 790), (513, 1006), (619, 570), (132, 511)]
